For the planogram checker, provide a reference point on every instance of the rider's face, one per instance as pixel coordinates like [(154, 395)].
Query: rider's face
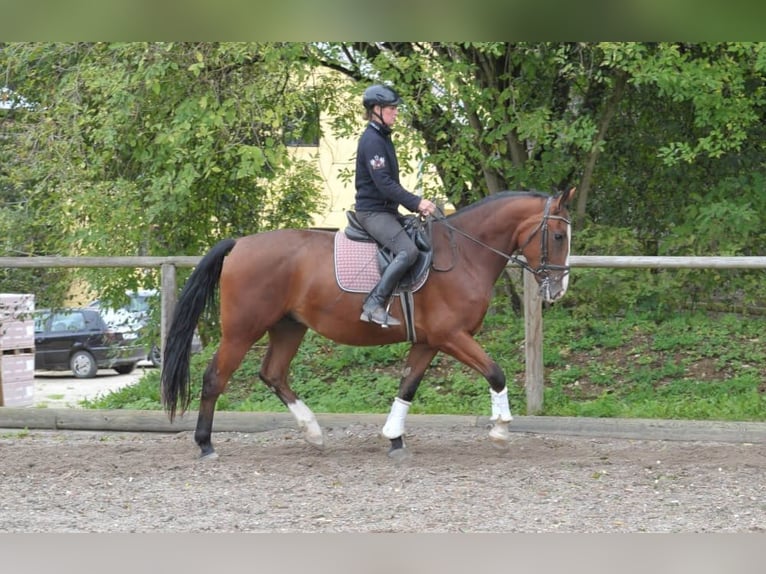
[(388, 115)]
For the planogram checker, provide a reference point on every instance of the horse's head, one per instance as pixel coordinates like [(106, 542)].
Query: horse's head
[(545, 242)]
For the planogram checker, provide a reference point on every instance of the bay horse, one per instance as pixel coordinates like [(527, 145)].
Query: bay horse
[(283, 283)]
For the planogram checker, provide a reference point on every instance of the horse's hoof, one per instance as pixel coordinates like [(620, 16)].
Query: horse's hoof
[(398, 452), (399, 455), (212, 455), (315, 440), (499, 444), (499, 435)]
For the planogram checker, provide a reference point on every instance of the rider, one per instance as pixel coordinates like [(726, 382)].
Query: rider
[(379, 195)]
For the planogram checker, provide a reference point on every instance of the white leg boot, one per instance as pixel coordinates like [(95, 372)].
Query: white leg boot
[(307, 422), (394, 427), (501, 416)]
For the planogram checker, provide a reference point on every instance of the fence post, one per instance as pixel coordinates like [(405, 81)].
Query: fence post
[(168, 300), (533, 344)]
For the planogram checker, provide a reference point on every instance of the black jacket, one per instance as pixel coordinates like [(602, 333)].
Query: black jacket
[(377, 174)]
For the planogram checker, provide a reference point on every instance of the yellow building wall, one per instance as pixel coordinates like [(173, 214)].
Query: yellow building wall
[(335, 156)]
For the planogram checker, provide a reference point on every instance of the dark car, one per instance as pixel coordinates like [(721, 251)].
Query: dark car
[(136, 315), (79, 340)]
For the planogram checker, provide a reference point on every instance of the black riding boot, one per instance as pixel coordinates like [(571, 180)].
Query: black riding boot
[(373, 309)]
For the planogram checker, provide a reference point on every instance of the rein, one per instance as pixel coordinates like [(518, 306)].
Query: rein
[(543, 227)]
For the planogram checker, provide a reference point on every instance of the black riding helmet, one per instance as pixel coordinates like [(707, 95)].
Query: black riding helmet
[(380, 95)]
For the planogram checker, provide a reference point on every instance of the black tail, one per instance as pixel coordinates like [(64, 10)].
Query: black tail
[(198, 292)]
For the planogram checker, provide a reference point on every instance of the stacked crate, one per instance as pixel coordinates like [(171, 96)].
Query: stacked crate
[(17, 350)]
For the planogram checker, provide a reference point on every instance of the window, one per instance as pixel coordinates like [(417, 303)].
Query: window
[(68, 322)]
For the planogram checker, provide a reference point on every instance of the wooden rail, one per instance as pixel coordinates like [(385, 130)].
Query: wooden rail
[(533, 314), (167, 265), (533, 322)]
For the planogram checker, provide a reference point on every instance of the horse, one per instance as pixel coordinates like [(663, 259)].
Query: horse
[(282, 282)]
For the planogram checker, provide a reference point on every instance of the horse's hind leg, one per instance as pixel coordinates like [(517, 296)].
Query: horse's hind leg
[(225, 361), (284, 339), (420, 356)]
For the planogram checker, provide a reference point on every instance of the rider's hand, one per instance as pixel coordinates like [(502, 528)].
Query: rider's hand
[(426, 207)]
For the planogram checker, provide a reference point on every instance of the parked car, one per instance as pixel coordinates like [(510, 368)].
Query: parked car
[(136, 316), (79, 340)]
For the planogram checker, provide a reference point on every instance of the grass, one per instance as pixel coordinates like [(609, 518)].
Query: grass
[(635, 365), (23, 433)]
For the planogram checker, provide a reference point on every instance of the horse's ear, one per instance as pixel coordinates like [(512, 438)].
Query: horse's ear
[(566, 197)]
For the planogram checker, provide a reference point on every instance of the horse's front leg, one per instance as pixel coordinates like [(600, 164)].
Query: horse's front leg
[(418, 359), (466, 350)]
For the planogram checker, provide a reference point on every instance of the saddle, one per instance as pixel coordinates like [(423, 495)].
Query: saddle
[(417, 229)]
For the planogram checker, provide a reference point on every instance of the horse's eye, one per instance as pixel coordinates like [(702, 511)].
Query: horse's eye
[(558, 236)]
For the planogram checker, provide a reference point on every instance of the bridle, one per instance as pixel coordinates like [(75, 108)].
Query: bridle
[(542, 227)]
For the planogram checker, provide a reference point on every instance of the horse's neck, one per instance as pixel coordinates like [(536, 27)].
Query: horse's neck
[(492, 233), (497, 224)]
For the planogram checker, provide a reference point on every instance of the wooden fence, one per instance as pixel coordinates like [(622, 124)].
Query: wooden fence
[(533, 322)]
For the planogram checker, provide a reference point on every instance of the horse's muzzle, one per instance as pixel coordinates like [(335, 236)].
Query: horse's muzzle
[(554, 286)]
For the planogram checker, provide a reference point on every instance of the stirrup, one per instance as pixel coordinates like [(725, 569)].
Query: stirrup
[(379, 316)]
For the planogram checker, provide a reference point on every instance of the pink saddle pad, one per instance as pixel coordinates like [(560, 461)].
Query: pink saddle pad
[(356, 265)]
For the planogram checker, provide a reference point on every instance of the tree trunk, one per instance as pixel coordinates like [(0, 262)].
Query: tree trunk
[(621, 80)]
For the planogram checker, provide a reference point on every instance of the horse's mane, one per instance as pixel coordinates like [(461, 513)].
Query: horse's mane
[(495, 197)]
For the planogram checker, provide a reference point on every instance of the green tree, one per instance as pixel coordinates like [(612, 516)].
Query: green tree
[(540, 115), (171, 146), (657, 137), (161, 148)]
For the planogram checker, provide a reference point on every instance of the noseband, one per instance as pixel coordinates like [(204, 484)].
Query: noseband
[(542, 227)]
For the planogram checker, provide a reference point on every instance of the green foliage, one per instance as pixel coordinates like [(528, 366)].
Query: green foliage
[(163, 148), (714, 78), (533, 115), (166, 146), (638, 364), (723, 227), (684, 366), (170, 146), (602, 292), (727, 221), (22, 434), (144, 395)]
